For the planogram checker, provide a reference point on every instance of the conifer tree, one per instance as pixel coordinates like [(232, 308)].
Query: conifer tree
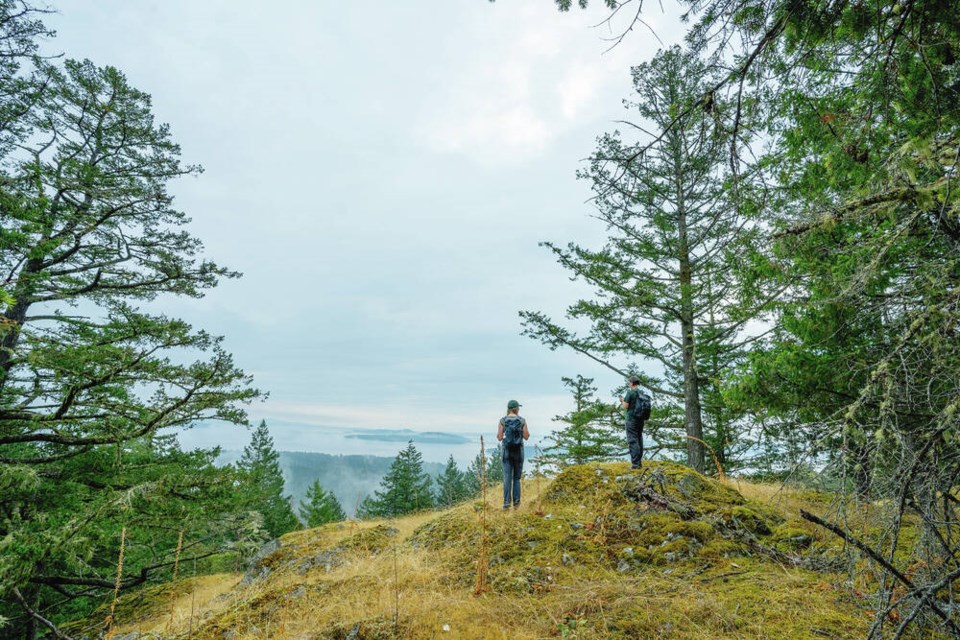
[(261, 464), (492, 466), (664, 280), (593, 431), (320, 506), (93, 388), (451, 485), (405, 489)]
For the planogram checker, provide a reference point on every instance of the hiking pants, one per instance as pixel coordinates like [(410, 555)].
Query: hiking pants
[(512, 470), (635, 442)]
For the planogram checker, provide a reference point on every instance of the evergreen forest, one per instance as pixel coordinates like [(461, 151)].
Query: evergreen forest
[(779, 266)]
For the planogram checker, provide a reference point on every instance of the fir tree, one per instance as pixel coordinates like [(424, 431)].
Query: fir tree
[(93, 388), (664, 278), (405, 488), (492, 466), (593, 431), (451, 485), (261, 464), (320, 506)]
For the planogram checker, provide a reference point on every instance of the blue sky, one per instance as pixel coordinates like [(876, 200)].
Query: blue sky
[(381, 173)]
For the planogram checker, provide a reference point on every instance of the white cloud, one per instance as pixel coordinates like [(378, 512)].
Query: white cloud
[(578, 89)]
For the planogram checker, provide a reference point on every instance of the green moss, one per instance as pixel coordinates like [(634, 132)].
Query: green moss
[(664, 552), (789, 537), (747, 518), (721, 548), (699, 530), (371, 540), (587, 485)]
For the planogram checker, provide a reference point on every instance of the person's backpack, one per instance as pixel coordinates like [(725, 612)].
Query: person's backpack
[(641, 407), (513, 432)]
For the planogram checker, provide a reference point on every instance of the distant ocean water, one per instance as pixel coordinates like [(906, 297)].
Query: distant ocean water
[(434, 446)]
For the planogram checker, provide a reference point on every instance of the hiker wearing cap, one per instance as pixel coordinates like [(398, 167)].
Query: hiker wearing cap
[(633, 423), (511, 432)]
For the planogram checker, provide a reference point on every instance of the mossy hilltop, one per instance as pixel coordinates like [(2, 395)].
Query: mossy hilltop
[(598, 552)]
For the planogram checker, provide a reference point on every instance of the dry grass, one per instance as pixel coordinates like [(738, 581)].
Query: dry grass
[(558, 572)]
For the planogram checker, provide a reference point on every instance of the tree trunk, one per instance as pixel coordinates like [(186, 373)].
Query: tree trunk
[(15, 314), (691, 399), (693, 418)]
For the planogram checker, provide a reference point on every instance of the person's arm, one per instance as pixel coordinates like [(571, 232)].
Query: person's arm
[(500, 430), (526, 432), (630, 397)]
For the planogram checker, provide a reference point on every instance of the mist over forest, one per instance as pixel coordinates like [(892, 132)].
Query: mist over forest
[(349, 477)]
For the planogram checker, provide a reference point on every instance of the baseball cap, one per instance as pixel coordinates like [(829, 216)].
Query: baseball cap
[(633, 380), (513, 404)]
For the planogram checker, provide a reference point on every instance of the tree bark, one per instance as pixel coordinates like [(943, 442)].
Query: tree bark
[(693, 418), (15, 315)]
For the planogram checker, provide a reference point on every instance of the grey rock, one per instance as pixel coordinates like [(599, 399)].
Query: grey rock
[(256, 570), (567, 559), (329, 560), (298, 593), (265, 551)]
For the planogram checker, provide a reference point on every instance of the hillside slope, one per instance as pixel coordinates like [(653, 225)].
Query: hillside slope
[(598, 552)]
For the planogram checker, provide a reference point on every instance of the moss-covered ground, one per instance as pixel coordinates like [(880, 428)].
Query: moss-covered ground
[(598, 552)]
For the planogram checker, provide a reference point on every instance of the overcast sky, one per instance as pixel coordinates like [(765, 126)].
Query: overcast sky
[(381, 172)]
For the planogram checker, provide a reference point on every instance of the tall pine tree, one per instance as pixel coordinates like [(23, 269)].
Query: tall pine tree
[(664, 280), (261, 465)]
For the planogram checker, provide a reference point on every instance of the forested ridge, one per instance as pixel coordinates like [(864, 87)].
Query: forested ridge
[(781, 271)]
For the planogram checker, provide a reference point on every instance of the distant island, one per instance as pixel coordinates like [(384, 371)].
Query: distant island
[(405, 435)]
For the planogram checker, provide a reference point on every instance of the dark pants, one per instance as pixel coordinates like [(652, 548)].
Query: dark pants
[(512, 470), (635, 442)]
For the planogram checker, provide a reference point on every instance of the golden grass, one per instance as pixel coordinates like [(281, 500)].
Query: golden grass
[(555, 572), (202, 595)]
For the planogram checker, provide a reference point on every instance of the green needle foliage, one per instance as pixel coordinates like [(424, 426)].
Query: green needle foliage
[(260, 463), (664, 280), (92, 388), (452, 485), (320, 507), (405, 488), (593, 431), (856, 186), (492, 466)]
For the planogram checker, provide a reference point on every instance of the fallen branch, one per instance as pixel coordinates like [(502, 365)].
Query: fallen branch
[(49, 625), (925, 597), (723, 575)]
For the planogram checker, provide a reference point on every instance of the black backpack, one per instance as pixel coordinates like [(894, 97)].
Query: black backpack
[(641, 407), (513, 432)]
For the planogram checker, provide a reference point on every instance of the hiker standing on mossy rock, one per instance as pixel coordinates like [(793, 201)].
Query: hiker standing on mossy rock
[(512, 431), (637, 405)]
